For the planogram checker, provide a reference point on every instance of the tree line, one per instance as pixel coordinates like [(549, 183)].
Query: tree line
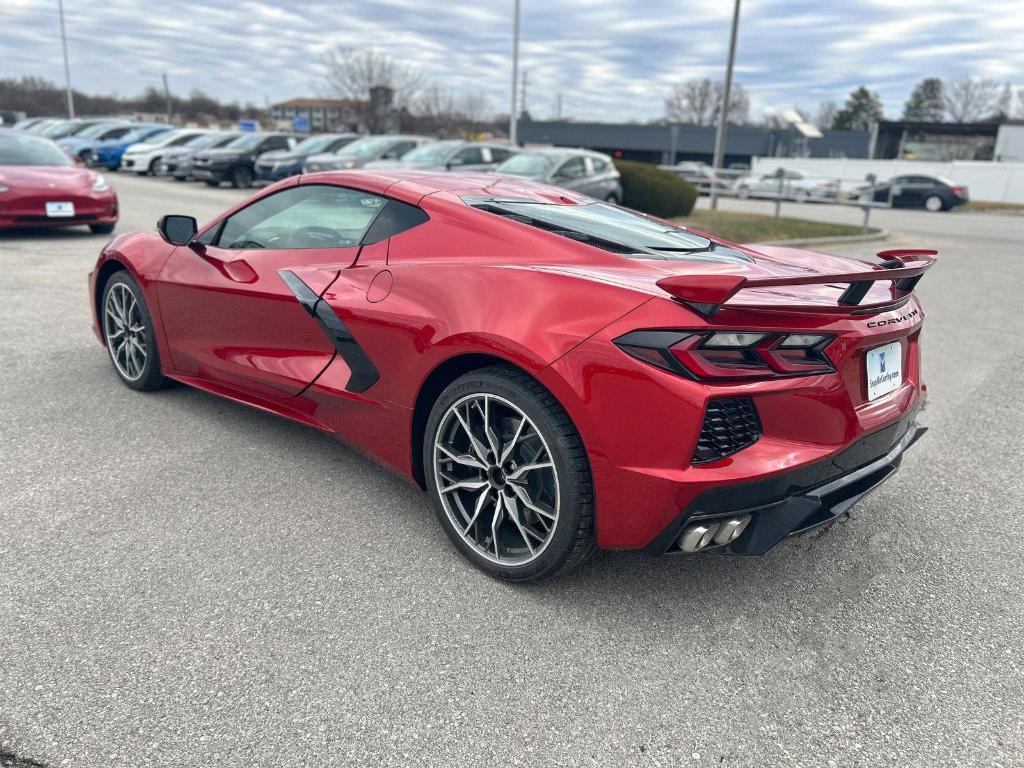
[(37, 97), (956, 100)]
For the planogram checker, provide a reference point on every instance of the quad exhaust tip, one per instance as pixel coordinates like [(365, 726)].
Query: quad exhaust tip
[(696, 536)]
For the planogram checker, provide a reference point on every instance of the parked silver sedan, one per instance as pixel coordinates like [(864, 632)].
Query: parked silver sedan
[(363, 151), (583, 171), (451, 155)]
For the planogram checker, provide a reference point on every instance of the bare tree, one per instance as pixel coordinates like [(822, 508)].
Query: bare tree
[(698, 101), (443, 113), (826, 115), (358, 74), (968, 99)]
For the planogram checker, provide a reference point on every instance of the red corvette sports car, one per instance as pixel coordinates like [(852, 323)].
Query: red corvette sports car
[(40, 186), (558, 373)]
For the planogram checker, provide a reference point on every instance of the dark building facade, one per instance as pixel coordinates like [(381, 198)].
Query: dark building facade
[(658, 143)]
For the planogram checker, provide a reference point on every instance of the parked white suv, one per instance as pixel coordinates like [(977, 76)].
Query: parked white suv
[(142, 157)]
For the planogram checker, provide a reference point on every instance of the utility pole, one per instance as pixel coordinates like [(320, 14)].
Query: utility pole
[(723, 110), (513, 113), (167, 95), (558, 107), (522, 97), (67, 68)]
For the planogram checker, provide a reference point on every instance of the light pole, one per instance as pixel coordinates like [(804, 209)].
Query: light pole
[(723, 110), (167, 96), (67, 68), (513, 116)]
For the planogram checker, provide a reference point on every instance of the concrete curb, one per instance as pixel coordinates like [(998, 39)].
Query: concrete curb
[(870, 237)]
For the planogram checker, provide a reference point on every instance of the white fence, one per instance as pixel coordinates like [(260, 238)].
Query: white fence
[(992, 182)]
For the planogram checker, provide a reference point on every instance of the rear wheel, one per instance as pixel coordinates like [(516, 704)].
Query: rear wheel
[(508, 476), (241, 177), (129, 333), (933, 203), (743, 193)]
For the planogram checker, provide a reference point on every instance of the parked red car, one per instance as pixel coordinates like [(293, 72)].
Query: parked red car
[(40, 186), (557, 372)]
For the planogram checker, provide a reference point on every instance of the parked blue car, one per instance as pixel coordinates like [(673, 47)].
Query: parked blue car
[(281, 163), (108, 153), (81, 144)]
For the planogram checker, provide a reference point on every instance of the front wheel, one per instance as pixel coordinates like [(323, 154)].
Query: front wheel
[(129, 333), (509, 477), (241, 177)]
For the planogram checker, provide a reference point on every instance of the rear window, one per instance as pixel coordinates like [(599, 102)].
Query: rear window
[(610, 228)]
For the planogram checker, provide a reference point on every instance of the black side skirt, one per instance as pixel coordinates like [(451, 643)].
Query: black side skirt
[(364, 372)]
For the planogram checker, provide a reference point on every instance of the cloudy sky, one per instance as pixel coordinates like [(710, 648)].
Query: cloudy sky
[(611, 59)]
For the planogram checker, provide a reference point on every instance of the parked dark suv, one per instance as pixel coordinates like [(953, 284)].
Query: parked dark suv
[(237, 161), (933, 193)]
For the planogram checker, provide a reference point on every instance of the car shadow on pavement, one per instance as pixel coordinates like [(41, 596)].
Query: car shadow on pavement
[(51, 233)]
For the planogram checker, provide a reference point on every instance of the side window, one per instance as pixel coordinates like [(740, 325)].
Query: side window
[(499, 155), (572, 169), (313, 216), (469, 156), (182, 139), (115, 134), (600, 166), (398, 150), (273, 142)]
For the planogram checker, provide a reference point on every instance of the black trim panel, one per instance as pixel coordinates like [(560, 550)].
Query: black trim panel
[(364, 372), (807, 498)]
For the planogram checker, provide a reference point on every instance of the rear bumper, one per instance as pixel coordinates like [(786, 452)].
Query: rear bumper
[(811, 497)]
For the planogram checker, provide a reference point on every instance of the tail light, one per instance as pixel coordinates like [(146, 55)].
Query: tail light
[(959, 191), (723, 355)]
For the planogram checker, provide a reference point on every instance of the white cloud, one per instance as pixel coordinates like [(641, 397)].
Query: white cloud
[(611, 60)]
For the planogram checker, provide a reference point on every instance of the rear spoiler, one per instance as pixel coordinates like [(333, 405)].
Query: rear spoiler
[(707, 293)]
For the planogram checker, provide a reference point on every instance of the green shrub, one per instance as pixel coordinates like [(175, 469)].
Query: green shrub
[(651, 190)]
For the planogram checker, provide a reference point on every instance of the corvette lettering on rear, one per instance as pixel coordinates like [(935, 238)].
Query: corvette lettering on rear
[(894, 320)]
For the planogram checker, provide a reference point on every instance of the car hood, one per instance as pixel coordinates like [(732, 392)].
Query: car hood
[(283, 156), (48, 178)]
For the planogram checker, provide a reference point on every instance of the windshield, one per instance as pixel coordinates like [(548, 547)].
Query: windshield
[(526, 165), (314, 144), (610, 224), (246, 142), (363, 148), (61, 127), (202, 140), (156, 138), (95, 131), (25, 149), (430, 154)]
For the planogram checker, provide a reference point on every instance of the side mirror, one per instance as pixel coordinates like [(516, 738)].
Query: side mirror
[(177, 230)]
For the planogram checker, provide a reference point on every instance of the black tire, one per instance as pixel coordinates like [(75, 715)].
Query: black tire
[(212, 183), (934, 203), (101, 229), (612, 198), (151, 376), (241, 177), (572, 537)]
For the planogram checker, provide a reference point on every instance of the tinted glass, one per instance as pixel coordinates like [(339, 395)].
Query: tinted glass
[(25, 149), (315, 216), (470, 156), (500, 155), (246, 141), (94, 131), (611, 223), (573, 169)]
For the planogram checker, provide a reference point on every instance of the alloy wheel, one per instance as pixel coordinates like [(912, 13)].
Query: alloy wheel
[(496, 479), (125, 332)]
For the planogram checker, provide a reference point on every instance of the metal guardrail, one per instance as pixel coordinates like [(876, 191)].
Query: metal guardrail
[(781, 187)]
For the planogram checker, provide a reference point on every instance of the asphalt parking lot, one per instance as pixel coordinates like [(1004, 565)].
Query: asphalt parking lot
[(186, 581)]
